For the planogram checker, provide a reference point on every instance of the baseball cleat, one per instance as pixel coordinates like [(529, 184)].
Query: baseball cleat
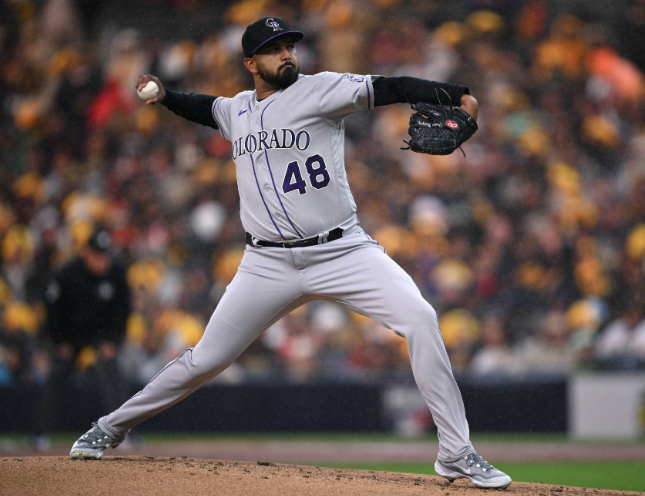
[(473, 467), (92, 444)]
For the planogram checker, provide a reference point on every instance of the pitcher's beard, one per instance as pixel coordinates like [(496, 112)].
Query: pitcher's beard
[(283, 78)]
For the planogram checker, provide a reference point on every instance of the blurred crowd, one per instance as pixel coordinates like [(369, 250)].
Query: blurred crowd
[(531, 247)]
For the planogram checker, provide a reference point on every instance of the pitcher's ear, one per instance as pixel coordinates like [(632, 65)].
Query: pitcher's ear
[(249, 63)]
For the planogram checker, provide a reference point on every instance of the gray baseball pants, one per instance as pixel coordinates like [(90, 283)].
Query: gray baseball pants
[(271, 282)]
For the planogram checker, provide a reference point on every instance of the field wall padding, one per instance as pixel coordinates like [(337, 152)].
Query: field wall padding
[(501, 405)]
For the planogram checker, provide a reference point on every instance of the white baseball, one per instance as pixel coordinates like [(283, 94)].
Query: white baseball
[(149, 91)]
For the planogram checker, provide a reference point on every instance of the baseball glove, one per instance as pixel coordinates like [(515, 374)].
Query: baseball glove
[(439, 131)]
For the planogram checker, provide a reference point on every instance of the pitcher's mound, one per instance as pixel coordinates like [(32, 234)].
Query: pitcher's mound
[(134, 475)]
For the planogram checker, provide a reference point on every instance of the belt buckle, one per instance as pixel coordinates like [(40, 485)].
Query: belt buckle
[(286, 243)]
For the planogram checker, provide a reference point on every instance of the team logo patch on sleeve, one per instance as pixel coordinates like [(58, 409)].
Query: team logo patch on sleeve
[(355, 78)]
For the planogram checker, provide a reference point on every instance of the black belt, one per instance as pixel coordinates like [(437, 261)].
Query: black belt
[(333, 235)]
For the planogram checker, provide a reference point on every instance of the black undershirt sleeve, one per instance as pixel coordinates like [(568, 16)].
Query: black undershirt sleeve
[(388, 90), (193, 107)]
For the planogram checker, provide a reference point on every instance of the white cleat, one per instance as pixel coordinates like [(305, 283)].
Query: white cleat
[(476, 469), (92, 444)]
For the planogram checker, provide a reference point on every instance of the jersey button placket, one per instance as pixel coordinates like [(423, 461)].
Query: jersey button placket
[(259, 158), (256, 157)]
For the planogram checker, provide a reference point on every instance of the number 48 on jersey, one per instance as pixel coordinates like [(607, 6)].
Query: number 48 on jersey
[(318, 175)]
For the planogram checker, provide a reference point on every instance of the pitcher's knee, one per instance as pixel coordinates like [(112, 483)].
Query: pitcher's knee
[(207, 367), (420, 319)]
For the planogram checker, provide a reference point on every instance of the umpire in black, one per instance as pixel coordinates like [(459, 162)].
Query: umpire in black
[(88, 304)]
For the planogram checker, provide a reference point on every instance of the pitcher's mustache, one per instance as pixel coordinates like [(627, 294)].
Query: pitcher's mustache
[(286, 64)]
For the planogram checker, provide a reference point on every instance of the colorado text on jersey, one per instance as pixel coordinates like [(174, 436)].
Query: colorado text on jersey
[(265, 140)]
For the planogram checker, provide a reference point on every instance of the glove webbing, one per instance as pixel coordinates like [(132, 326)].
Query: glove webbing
[(444, 110)]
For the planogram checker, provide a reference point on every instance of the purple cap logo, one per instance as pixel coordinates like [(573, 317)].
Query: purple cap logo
[(273, 24)]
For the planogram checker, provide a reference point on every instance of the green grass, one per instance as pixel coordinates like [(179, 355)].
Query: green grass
[(626, 476)]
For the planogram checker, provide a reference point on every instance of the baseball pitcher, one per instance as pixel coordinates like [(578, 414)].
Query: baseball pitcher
[(304, 241)]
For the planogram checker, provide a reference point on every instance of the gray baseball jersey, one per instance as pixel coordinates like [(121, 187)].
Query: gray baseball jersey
[(288, 152)]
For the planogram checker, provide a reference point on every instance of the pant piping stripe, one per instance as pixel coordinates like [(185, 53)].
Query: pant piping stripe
[(167, 365)]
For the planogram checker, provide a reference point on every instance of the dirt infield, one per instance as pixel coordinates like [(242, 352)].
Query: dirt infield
[(138, 475)]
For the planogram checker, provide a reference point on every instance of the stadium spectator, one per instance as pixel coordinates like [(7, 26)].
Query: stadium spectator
[(622, 344), (494, 356)]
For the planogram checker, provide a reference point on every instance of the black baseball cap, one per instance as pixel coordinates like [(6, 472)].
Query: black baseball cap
[(264, 30)]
